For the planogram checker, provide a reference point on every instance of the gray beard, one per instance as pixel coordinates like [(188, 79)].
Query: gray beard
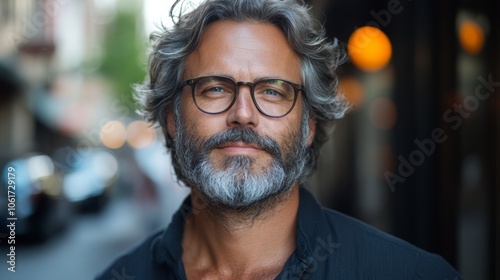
[(236, 187)]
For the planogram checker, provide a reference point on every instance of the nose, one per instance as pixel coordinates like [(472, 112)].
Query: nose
[(243, 113)]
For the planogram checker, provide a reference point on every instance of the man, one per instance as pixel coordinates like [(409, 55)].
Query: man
[(244, 91)]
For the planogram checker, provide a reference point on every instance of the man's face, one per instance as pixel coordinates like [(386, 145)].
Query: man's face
[(240, 157)]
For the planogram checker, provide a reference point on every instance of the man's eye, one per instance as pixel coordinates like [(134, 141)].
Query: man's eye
[(216, 92), (215, 89), (272, 92)]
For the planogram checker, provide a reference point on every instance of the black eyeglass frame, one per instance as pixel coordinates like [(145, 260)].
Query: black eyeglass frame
[(192, 83)]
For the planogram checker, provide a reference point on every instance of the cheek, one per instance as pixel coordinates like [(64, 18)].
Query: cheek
[(289, 136), (195, 122)]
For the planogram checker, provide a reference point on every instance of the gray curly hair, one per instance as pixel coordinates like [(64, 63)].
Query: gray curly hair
[(320, 59)]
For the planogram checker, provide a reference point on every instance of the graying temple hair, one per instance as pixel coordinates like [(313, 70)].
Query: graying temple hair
[(319, 57)]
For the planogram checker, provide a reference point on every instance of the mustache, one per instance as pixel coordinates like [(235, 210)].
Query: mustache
[(245, 135)]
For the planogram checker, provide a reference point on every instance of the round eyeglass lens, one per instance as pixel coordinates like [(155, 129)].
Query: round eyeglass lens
[(214, 94), (274, 97)]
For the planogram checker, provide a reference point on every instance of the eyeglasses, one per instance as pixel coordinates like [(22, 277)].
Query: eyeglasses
[(274, 98)]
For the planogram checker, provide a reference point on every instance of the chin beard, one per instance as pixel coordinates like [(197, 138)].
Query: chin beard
[(239, 188)]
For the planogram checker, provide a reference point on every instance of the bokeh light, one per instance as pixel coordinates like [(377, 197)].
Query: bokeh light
[(369, 48), (471, 37), (113, 134), (140, 134), (383, 113), (353, 91)]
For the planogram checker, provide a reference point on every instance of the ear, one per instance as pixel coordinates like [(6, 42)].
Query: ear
[(171, 124), (312, 130)]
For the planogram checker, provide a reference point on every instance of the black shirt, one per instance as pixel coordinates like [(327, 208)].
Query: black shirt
[(330, 245)]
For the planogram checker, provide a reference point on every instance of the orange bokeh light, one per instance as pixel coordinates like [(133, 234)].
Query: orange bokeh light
[(471, 37), (140, 134), (369, 48), (113, 134)]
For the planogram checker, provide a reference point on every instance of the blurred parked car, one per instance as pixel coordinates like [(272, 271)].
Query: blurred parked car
[(40, 207), (89, 179)]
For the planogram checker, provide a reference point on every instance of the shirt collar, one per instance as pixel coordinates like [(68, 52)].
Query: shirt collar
[(167, 248), (315, 241)]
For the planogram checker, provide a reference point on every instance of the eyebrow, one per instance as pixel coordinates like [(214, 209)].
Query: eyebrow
[(260, 78)]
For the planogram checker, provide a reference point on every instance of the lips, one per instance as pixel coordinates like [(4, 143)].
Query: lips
[(239, 147)]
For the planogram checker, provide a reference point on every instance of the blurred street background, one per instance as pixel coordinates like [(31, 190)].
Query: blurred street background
[(417, 156)]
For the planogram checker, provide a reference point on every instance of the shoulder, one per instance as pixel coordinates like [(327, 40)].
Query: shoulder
[(380, 255), (135, 262)]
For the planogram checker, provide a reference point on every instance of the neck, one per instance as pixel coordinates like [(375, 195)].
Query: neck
[(232, 243)]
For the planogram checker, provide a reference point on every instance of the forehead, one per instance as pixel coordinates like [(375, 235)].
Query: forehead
[(244, 51)]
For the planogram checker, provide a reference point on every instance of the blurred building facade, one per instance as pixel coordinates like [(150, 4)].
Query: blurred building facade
[(418, 156), (51, 54)]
